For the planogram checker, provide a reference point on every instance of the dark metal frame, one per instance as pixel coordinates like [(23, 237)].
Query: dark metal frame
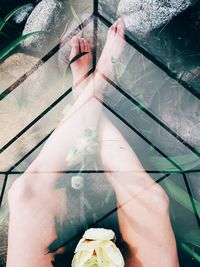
[(95, 17)]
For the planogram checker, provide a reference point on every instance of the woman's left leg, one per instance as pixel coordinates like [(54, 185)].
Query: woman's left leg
[(34, 202)]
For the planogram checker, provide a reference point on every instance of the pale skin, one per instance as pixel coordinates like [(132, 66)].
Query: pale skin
[(142, 204)]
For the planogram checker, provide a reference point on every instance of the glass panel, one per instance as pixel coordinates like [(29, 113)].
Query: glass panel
[(4, 216), (163, 100), (194, 183), (168, 31), (146, 153), (183, 215), (21, 107), (150, 109), (184, 220), (1, 181), (33, 136), (149, 128)]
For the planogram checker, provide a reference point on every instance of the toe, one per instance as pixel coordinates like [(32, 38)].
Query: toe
[(74, 47), (121, 23), (89, 50), (87, 47), (73, 40), (82, 45), (120, 27), (113, 28)]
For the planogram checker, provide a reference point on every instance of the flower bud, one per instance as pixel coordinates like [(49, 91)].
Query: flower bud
[(97, 249)]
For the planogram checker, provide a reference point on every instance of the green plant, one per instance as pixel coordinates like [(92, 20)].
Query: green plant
[(9, 15), (190, 251), (19, 40), (14, 44), (181, 196), (189, 241), (187, 162), (74, 13)]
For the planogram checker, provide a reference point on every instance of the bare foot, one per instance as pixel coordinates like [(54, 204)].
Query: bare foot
[(82, 65), (112, 51), (113, 48)]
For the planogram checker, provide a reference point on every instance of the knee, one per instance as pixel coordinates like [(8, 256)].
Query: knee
[(160, 199), (20, 190), (31, 184)]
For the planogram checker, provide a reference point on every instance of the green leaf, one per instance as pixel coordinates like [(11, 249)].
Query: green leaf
[(57, 243), (187, 162), (190, 251), (9, 15), (74, 14), (15, 43), (54, 246), (77, 57), (181, 196), (59, 227), (191, 237)]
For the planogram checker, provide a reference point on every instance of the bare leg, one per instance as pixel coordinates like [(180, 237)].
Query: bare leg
[(142, 204), (33, 201)]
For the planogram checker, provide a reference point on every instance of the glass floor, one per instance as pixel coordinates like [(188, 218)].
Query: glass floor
[(149, 101)]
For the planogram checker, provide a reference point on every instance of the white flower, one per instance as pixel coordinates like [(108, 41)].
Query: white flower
[(97, 249), (85, 144), (77, 182)]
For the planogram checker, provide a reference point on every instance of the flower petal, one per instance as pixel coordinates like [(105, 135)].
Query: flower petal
[(80, 258), (114, 254), (88, 245), (102, 261), (99, 234)]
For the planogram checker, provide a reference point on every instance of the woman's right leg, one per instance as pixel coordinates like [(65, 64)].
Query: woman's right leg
[(142, 204)]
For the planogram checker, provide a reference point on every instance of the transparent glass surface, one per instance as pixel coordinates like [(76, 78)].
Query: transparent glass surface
[(4, 218), (162, 111), (193, 181), (157, 116), (174, 43)]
